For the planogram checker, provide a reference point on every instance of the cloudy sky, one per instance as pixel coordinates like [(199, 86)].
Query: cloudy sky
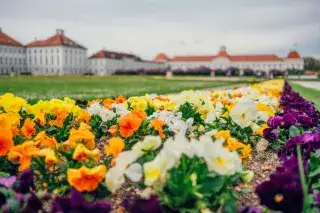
[(146, 27)]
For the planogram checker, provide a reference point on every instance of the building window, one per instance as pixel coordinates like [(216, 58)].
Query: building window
[(66, 60), (0, 60), (57, 60)]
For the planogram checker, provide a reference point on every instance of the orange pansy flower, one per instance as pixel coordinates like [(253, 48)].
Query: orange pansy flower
[(42, 140), (49, 155), (234, 144), (61, 114), (81, 153), (114, 147), (22, 154), (82, 135), (84, 116), (225, 134), (86, 179), (120, 99), (28, 129), (129, 124), (14, 130), (113, 130), (6, 142), (157, 125), (107, 103), (140, 114)]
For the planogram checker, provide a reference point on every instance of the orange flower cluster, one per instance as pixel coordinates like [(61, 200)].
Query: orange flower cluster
[(130, 123)]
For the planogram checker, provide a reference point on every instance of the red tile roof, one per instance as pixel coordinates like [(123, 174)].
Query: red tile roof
[(57, 40), (161, 57), (193, 58), (293, 55), (239, 58), (112, 55), (7, 40), (266, 57)]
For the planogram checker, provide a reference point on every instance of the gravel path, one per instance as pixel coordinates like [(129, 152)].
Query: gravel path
[(309, 84)]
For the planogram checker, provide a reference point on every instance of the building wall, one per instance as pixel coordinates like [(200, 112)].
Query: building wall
[(56, 60), (12, 58), (108, 66), (225, 63)]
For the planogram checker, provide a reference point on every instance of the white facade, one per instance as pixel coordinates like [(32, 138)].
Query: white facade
[(12, 59), (224, 61), (56, 60), (107, 63)]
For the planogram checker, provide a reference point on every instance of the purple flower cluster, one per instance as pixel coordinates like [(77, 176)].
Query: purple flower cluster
[(292, 102), (296, 111), (140, 205), (23, 197), (76, 203), (309, 142), (283, 190)]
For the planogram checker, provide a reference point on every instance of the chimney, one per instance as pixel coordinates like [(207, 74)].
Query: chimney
[(223, 48), (60, 31)]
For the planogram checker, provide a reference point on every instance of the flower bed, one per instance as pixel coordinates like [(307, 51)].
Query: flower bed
[(184, 152)]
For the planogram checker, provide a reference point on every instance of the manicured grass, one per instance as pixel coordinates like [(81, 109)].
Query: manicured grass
[(89, 87), (308, 93)]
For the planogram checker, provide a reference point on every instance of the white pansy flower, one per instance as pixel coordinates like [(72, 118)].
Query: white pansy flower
[(244, 112), (106, 114), (262, 116), (94, 108), (115, 177), (134, 172), (221, 160), (149, 143), (120, 109)]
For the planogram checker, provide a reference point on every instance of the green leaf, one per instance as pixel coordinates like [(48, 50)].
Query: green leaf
[(14, 205), (315, 172), (212, 184), (293, 131)]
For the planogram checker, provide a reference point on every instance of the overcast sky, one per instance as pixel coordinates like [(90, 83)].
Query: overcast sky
[(146, 27)]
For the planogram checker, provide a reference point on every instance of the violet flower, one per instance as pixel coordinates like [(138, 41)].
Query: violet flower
[(250, 209), (282, 193), (26, 181), (76, 203), (8, 181), (140, 205)]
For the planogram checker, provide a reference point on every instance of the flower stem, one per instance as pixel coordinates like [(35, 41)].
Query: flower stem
[(303, 181)]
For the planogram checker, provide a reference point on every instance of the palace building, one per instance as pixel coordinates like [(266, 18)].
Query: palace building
[(57, 55), (108, 62), (60, 55), (223, 61), (12, 55)]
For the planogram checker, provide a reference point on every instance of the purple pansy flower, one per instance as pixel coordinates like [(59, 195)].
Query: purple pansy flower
[(8, 181), (140, 205)]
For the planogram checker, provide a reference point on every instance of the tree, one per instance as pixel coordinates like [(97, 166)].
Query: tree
[(311, 63)]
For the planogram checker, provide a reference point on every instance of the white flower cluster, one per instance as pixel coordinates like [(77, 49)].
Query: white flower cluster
[(173, 121)]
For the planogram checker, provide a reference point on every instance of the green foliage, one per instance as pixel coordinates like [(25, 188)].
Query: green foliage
[(61, 134), (191, 187), (188, 111), (243, 134), (7, 166)]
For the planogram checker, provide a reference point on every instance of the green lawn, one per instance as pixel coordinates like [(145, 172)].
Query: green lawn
[(90, 87), (308, 93)]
